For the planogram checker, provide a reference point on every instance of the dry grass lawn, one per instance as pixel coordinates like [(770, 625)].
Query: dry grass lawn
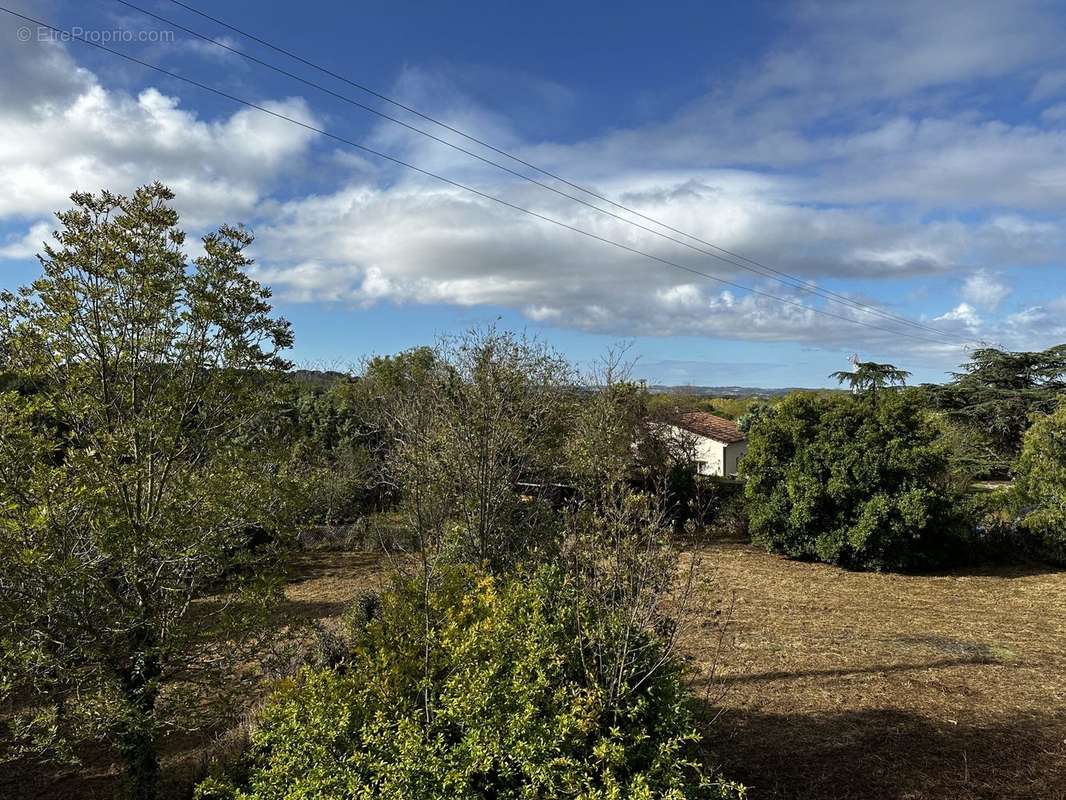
[(833, 684), (856, 685)]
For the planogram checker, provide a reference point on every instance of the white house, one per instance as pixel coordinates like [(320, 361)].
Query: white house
[(713, 443)]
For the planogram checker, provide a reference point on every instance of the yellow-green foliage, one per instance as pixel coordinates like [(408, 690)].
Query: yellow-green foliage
[(1041, 481), (500, 704), (682, 401)]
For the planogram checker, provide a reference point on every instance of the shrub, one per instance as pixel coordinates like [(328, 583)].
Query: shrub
[(856, 481), (498, 701), (1041, 482), (998, 536)]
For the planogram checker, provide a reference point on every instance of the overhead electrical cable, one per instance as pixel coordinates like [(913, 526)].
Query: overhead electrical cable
[(78, 37), (750, 265)]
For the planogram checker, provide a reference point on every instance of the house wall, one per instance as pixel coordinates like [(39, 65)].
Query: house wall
[(714, 457), (711, 455), (733, 454)]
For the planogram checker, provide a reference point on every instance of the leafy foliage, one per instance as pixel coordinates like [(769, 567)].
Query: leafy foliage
[(1041, 482), (486, 413), (136, 479), (997, 393), (495, 699), (753, 413), (853, 482), (869, 376), (333, 448)]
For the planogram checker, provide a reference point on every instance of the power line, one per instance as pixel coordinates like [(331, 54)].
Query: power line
[(750, 265), (278, 115)]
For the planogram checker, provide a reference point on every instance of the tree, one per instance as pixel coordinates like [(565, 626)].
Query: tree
[(869, 376), (997, 392), (853, 482), (1041, 482), (610, 439), (137, 477), (486, 412), (757, 411)]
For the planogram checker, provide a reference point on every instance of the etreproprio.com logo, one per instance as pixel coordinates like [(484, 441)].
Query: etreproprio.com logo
[(98, 35)]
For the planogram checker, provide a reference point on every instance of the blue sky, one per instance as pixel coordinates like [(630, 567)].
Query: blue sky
[(910, 156)]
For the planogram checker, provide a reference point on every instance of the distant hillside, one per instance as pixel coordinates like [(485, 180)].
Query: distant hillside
[(725, 391), (317, 377)]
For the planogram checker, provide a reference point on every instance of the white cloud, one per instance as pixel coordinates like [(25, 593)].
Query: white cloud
[(964, 313), (982, 288), (27, 245), (1054, 113), (72, 133), (857, 149), (1049, 84)]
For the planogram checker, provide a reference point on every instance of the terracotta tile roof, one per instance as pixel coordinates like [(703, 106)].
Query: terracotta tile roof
[(705, 424)]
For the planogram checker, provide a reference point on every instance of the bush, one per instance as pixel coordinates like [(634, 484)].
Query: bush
[(497, 702), (998, 536), (1041, 483), (856, 481)]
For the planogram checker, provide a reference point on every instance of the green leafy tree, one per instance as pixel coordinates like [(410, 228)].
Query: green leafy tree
[(137, 479), (402, 373), (997, 393), (870, 377), (467, 424), (1041, 481), (850, 481), (334, 447), (337, 427), (756, 411)]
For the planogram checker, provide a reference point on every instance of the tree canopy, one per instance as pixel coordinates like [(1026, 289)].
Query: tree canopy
[(996, 393), (869, 376), (134, 475), (850, 481), (1041, 481)]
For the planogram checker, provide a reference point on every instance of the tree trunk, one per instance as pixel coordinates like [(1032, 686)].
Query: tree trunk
[(137, 745), (136, 739)]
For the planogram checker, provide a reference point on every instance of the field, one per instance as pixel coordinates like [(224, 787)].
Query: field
[(858, 685), (831, 685)]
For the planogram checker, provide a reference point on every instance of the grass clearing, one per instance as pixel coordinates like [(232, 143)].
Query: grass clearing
[(859, 685), (835, 685)]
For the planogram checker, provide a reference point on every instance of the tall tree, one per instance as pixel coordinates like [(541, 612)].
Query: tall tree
[(1041, 484), (847, 481), (869, 377), (996, 394), (134, 472)]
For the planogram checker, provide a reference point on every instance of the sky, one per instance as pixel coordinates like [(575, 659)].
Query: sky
[(909, 157)]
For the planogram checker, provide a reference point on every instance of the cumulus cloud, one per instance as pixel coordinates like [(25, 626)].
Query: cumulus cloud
[(982, 288), (26, 245), (857, 149), (964, 313), (63, 130)]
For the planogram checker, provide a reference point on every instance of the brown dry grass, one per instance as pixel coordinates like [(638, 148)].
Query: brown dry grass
[(322, 585), (837, 685), (854, 685)]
